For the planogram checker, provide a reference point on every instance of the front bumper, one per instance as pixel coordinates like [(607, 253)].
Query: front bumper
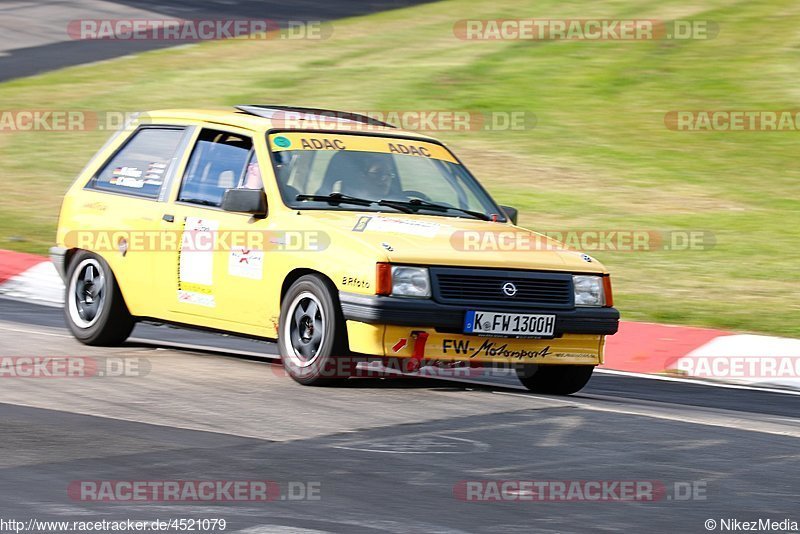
[(448, 318), (393, 326), (571, 349)]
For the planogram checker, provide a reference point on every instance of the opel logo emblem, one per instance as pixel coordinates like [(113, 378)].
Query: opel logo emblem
[(509, 289)]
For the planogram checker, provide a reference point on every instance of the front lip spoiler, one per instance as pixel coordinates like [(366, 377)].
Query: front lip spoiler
[(377, 309)]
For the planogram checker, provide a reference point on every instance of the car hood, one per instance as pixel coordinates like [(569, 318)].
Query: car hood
[(451, 241)]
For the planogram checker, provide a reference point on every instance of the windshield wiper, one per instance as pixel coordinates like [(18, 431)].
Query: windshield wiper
[(339, 198), (416, 204), (201, 201)]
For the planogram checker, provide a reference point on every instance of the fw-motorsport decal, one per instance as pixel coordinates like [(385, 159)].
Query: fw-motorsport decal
[(495, 349)]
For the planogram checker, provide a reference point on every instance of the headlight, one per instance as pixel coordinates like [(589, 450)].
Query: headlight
[(588, 290), (410, 282)]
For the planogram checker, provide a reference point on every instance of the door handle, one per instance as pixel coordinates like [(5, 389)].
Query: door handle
[(167, 217)]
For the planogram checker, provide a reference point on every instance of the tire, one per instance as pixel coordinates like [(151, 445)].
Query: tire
[(312, 336), (94, 309), (555, 379)]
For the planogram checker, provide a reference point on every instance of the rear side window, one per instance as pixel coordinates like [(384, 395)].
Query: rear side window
[(139, 168), (220, 161)]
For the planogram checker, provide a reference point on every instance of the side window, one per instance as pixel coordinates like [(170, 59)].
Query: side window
[(219, 161), (140, 166)]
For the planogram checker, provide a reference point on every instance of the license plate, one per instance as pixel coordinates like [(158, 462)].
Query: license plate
[(509, 324)]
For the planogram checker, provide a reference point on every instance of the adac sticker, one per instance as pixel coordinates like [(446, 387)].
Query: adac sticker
[(282, 142)]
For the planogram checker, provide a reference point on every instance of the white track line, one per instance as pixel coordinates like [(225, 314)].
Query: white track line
[(699, 382), (37, 332), (697, 415)]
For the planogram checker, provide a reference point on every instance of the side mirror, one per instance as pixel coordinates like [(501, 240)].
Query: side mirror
[(511, 213), (252, 201)]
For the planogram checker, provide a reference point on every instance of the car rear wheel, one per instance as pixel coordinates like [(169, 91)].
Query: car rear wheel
[(555, 379), (94, 309), (312, 333)]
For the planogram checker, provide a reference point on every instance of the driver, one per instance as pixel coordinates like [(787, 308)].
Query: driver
[(377, 177), (252, 179)]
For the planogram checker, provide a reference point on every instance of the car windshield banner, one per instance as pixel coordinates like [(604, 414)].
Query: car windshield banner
[(358, 143)]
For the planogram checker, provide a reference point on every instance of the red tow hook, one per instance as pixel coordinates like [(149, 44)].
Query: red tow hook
[(415, 362)]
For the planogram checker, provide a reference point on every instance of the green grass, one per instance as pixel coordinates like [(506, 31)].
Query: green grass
[(600, 156)]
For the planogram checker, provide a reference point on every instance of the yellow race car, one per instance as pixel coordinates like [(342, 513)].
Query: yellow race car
[(340, 237)]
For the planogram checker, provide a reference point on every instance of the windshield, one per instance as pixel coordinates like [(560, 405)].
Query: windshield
[(328, 171)]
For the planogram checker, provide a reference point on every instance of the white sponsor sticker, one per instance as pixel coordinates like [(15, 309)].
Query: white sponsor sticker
[(129, 172), (197, 251), (246, 263), (193, 297), (397, 226), (124, 181)]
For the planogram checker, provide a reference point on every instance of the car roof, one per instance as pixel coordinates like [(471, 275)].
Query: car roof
[(285, 118)]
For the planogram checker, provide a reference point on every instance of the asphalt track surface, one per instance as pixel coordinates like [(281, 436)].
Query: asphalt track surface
[(386, 454), (34, 36)]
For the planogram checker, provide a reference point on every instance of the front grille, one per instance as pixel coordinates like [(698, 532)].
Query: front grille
[(485, 286)]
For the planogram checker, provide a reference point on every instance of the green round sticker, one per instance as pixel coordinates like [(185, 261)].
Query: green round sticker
[(282, 142)]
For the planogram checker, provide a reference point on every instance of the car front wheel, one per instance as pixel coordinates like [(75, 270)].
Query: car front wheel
[(312, 335), (94, 309), (554, 379)]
